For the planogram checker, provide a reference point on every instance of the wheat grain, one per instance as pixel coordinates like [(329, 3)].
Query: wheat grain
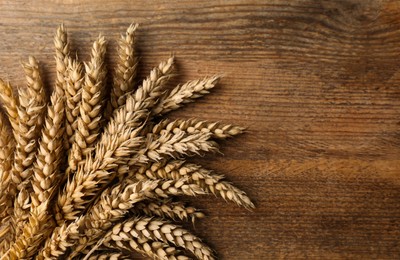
[(90, 109), (157, 230), (185, 93)]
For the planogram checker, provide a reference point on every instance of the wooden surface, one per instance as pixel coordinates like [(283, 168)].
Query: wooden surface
[(317, 83)]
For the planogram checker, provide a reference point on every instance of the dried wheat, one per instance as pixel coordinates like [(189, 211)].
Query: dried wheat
[(153, 249), (90, 109), (175, 145), (38, 227), (157, 230), (96, 172), (73, 93), (196, 174), (7, 146), (62, 46), (125, 70), (10, 103), (185, 93), (175, 210), (46, 169), (218, 130)]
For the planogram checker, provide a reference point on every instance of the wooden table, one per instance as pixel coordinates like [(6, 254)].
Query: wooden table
[(317, 84)]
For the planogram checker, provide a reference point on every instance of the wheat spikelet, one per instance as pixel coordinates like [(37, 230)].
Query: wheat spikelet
[(73, 93), (22, 205), (216, 129), (175, 210), (185, 93), (10, 103), (90, 109), (125, 71), (157, 230), (208, 181)]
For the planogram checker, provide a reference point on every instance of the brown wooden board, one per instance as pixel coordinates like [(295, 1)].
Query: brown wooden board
[(317, 84)]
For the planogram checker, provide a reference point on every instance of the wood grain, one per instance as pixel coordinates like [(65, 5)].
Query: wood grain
[(317, 84)]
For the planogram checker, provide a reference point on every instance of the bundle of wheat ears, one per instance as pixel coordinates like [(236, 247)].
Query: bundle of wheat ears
[(96, 171)]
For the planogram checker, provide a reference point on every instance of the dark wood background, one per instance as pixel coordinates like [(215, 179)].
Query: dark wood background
[(317, 83)]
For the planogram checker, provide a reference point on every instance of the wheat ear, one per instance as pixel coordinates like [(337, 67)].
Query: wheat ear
[(152, 249), (62, 46), (7, 146), (156, 230), (10, 103), (218, 130), (125, 70), (196, 174), (174, 144), (175, 210), (109, 256), (73, 94), (183, 94), (31, 110), (46, 168), (90, 109)]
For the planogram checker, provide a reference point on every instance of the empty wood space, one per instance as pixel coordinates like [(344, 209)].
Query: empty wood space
[(317, 84)]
